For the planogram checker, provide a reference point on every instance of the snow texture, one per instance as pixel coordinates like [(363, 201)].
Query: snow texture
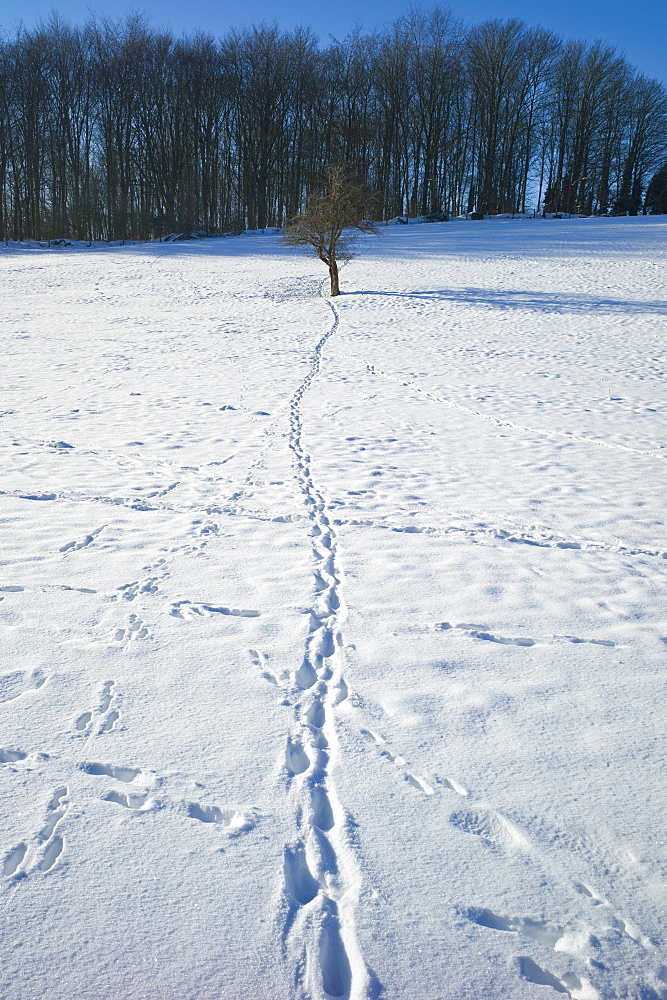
[(334, 631)]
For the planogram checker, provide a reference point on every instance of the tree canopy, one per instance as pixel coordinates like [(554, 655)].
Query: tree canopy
[(117, 130)]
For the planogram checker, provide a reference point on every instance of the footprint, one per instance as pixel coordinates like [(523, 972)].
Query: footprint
[(501, 639), (591, 642), (81, 724), (385, 751), (234, 821), (571, 985), (53, 851), (59, 796), (186, 609), (626, 927), (234, 612), (419, 783), (334, 962), (445, 626), (107, 695), (125, 774), (300, 884), (129, 591), (14, 859), (296, 758), (491, 827), (453, 786), (84, 543), (11, 756), (586, 890), (482, 632), (85, 722), (136, 629), (110, 721), (320, 807), (340, 691), (205, 814), (306, 675), (47, 830), (261, 661), (127, 801), (315, 715), (534, 973), (535, 929), (55, 811)]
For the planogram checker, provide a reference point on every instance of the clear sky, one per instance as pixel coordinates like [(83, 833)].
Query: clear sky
[(637, 29)]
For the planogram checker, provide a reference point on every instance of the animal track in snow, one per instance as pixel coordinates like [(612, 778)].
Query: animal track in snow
[(52, 852), (627, 927), (592, 642), (83, 721), (102, 719), (205, 814), (53, 843), (261, 661), (485, 532), (87, 540), (539, 931), (130, 591), (491, 827), (14, 859), (37, 496), (128, 801), (385, 751), (11, 756), (20, 682), (320, 875), (136, 629), (234, 821), (571, 985), (124, 774), (56, 811), (296, 758), (334, 960), (481, 632), (187, 610), (550, 433), (300, 884), (503, 640), (452, 785), (585, 890), (320, 808), (110, 721)]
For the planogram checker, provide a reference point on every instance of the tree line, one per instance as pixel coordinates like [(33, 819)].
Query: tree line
[(115, 130)]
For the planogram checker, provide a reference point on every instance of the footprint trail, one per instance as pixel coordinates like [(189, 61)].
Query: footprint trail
[(320, 874)]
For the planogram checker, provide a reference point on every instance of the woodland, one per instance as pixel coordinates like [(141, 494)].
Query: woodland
[(116, 130)]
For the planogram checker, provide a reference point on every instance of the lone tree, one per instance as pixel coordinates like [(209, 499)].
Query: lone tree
[(327, 226)]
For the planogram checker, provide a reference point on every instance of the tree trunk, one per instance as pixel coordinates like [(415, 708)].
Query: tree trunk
[(333, 274)]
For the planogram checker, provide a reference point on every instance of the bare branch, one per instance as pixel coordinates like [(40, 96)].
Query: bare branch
[(332, 222)]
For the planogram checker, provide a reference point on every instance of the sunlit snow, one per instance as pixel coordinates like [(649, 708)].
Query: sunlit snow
[(334, 631)]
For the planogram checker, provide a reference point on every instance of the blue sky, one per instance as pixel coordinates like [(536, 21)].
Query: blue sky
[(639, 30)]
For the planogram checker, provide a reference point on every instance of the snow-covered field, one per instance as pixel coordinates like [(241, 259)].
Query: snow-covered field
[(334, 633)]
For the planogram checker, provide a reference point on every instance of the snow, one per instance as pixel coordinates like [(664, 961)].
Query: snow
[(333, 631)]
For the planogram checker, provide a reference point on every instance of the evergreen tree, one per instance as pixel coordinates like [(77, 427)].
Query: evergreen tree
[(655, 202)]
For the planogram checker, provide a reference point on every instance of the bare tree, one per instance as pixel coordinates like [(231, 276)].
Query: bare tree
[(115, 130), (331, 223)]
